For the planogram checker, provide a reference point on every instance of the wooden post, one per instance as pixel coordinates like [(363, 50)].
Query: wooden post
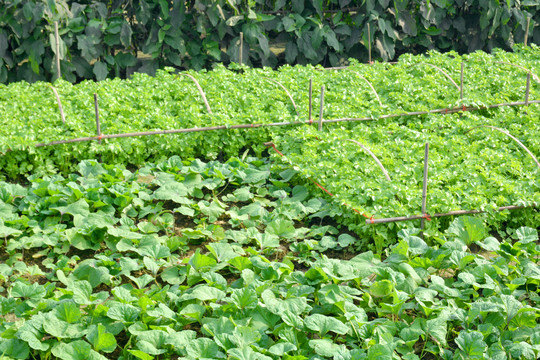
[(527, 31), (461, 81), (321, 108), (62, 116), (424, 190), (96, 108), (241, 51), (310, 97), (57, 37), (369, 42), (527, 88)]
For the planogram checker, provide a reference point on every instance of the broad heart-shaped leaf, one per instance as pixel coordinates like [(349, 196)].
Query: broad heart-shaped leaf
[(468, 229), (32, 332), (68, 312), (524, 234), (323, 324), (243, 336), (140, 355), (282, 228), (100, 339), (77, 208), (6, 231), (203, 293), (203, 348), (282, 348), (33, 291), (246, 353), (123, 312), (472, 344), (381, 288), (14, 348), (244, 298), (326, 347), (152, 342), (213, 210), (61, 329), (489, 244), (223, 252), (173, 190), (76, 350), (150, 246), (201, 262), (522, 350), (181, 339), (511, 305), (437, 329)]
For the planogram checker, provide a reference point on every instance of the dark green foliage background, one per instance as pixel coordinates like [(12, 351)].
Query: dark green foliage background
[(102, 39)]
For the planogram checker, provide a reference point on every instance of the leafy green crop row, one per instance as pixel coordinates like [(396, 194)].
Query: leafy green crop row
[(193, 260), (29, 113)]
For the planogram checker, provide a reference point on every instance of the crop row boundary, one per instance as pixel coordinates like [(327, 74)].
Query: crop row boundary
[(443, 111)]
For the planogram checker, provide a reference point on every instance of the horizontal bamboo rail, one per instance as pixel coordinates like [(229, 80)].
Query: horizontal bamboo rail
[(450, 213), (285, 123)]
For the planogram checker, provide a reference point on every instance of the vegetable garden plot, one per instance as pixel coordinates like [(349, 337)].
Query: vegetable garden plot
[(191, 260), (237, 96)]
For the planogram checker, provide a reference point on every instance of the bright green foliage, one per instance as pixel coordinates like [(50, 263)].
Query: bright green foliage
[(114, 274), (29, 114)]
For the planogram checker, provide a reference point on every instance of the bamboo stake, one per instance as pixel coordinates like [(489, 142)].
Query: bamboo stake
[(440, 70), (310, 99), (370, 85), (369, 42), (424, 190), (286, 91), (511, 137), (461, 81), (98, 126), (59, 104), (373, 156), (241, 52), (57, 37), (451, 213), (285, 123), (536, 78), (200, 91), (321, 109), (527, 88), (527, 31)]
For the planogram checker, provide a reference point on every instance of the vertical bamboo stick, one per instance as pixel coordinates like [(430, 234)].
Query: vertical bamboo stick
[(461, 81), (321, 108), (241, 51), (369, 42), (527, 31), (310, 97), (96, 108), (424, 189), (527, 88), (62, 116), (57, 37)]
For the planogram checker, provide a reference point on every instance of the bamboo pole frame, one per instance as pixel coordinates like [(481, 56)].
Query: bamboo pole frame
[(98, 125), (310, 98), (284, 123), (60, 108), (203, 95), (510, 136), (366, 149), (321, 109), (57, 38), (440, 70), (287, 92), (450, 213), (424, 190), (370, 85)]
